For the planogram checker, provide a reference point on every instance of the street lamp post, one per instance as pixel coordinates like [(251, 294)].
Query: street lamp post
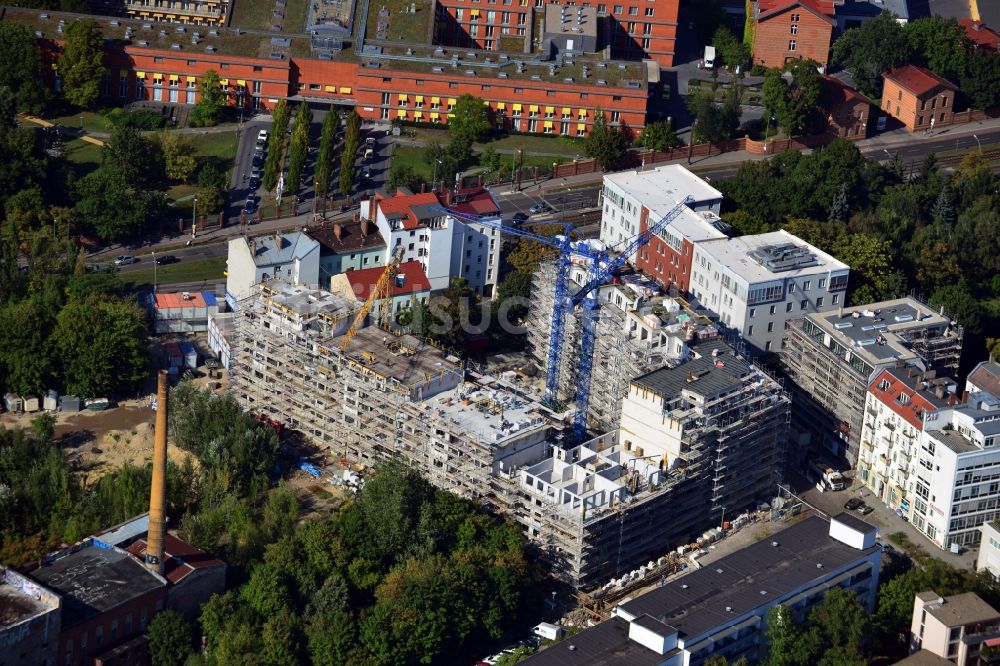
[(434, 178), (194, 219), (976, 137)]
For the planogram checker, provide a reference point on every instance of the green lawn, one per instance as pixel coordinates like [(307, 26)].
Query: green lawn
[(295, 14), (82, 156), (413, 156), (206, 269), (550, 145), (92, 121), (257, 15), (403, 26)]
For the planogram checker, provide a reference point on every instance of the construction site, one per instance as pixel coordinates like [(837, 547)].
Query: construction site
[(595, 510), (638, 330)]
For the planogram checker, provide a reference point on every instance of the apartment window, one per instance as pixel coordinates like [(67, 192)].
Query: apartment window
[(158, 59), (618, 9), (749, 331), (788, 307), (753, 311), (791, 44), (791, 288), (770, 327), (822, 283), (649, 11), (807, 284), (773, 307), (795, 28), (795, 18), (803, 305), (819, 302), (767, 346), (633, 11), (836, 299)]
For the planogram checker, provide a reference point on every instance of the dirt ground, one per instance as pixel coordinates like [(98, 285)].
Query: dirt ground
[(103, 441)]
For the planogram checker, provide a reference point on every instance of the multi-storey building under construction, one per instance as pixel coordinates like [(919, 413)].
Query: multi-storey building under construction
[(638, 330), (596, 510)]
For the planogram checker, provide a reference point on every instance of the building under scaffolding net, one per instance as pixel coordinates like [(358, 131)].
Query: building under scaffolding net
[(698, 442), (596, 510), (638, 330)]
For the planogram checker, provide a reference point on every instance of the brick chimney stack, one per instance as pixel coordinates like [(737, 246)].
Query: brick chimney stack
[(158, 489)]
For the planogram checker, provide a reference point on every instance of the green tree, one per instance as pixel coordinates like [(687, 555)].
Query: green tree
[(939, 44), (981, 79), (873, 277), (802, 97), (178, 155), (515, 291), (878, 45), (403, 176), (99, 347), (734, 53), (212, 100), (773, 92), (275, 162), (111, 207), (20, 65), (299, 150), (324, 158), (746, 223), (170, 639), (211, 189), (133, 156), (788, 644), (605, 143), (43, 427), (24, 364), (977, 239), (710, 123), (960, 304), (659, 135), (490, 160), (839, 621), (471, 121), (81, 65)]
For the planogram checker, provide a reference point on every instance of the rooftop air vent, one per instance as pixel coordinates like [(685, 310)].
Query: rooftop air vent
[(783, 257)]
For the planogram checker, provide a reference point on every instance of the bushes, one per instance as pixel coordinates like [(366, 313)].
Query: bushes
[(143, 119)]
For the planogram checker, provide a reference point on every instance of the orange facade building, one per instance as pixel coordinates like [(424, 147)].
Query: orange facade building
[(918, 98), (786, 30), (848, 112), (160, 63), (633, 29)]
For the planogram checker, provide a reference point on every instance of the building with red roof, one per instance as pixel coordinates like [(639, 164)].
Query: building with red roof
[(918, 98), (409, 286), (444, 246), (981, 36), (848, 112), (785, 30)]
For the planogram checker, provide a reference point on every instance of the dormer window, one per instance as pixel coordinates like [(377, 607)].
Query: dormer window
[(903, 399), (883, 385)]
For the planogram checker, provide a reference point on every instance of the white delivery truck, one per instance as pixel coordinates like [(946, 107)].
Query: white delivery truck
[(709, 60)]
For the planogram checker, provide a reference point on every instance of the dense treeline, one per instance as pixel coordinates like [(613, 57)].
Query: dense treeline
[(928, 232), (44, 501), (406, 574)]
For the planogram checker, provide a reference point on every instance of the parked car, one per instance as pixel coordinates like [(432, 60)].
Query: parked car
[(886, 548), (852, 504), (539, 208), (255, 172), (262, 137), (370, 141), (125, 260), (254, 184), (519, 218), (166, 259), (251, 205), (257, 161), (864, 509)]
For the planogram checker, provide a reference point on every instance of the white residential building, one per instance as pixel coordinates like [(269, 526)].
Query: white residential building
[(989, 549), (931, 457), (445, 247), (758, 283), (293, 257), (630, 197)]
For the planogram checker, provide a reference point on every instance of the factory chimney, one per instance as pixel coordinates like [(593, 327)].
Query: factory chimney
[(158, 489)]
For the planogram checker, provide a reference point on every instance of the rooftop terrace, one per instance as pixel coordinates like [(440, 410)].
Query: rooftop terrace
[(489, 410)]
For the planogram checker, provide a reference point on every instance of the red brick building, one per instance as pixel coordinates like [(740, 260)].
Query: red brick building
[(788, 29), (981, 36), (633, 28), (538, 97), (918, 98), (848, 112)]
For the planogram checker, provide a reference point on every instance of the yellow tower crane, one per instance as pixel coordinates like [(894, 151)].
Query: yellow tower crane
[(381, 291)]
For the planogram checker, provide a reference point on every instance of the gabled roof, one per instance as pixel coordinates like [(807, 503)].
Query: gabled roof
[(837, 93), (402, 206), (410, 274), (821, 8), (181, 559), (986, 376), (917, 80), (276, 248), (980, 35), (918, 399)]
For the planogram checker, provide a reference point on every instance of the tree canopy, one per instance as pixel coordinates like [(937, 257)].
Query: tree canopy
[(81, 65), (605, 143), (867, 51), (471, 119), (211, 100), (20, 65)]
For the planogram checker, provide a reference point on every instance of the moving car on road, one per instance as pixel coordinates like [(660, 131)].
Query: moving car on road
[(539, 208), (166, 259), (125, 260), (519, 218)]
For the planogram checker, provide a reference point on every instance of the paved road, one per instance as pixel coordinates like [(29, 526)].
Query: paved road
[(186, 254)]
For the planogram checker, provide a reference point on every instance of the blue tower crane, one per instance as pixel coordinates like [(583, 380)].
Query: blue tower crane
[(602, 269)]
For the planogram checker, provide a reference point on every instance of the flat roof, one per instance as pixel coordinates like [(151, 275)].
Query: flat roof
[(488, 409), (873, 8), (94, 580), (854, 522), (707, 375), (606, 644), (16, 605), (662, 188), (734, 254), (554, 24), (308, 302), (962, 609), (195, 299), (697, 602), (402, 358), (871, 331)]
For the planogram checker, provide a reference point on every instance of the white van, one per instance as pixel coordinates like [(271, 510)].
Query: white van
[(709, 60)]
